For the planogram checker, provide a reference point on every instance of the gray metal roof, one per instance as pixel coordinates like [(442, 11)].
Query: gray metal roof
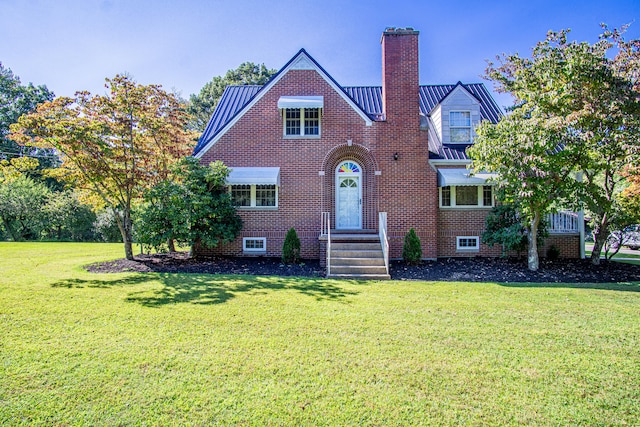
[(368, 98), (450, 152), (232, 100)]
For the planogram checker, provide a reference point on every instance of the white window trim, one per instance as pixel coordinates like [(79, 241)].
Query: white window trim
[(468, 248), (470, 127), (254, 250), (480, 204), (253, 199), (302, 135)]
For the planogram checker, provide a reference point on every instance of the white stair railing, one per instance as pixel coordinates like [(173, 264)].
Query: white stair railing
[(325, 230), (563, 222), (384, 241)]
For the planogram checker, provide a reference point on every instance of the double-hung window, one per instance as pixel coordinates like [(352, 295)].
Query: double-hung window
[(302, 122), (254, 195), (466, 196), (460, 127)]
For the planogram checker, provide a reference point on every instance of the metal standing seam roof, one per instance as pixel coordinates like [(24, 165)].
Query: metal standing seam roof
[(368, 98), (232, 100)]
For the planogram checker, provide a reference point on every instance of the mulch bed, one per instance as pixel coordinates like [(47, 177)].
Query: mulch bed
[(448, 269)]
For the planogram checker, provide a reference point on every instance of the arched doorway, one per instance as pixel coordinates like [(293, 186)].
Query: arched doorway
[(349, 195)]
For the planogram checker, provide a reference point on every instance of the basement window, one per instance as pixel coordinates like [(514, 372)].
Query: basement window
[(467, 243), (254, 244)]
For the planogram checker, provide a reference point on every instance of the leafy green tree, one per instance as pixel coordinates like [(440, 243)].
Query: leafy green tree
[(412, 249), (201, 106), (114, 146), (163, 215), (21, 202), (193, 207), (578, 104), (291, 247), (17, 99), (502, 227), (533, 172), (67, 218), (106, 227)]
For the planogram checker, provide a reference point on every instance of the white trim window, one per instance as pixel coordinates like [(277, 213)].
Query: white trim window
[(466, 196), (302, 122), (467, 243), (460, 127), (254, 244), (259, 196)]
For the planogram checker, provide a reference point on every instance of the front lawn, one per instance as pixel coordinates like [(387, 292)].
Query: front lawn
[(192, 349)]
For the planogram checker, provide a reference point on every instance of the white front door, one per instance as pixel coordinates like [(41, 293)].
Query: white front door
[(348, 197)]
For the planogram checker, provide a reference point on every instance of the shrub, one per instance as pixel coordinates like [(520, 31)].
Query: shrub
[(291, 248), (503, 227), (553, 253), (412, 250)]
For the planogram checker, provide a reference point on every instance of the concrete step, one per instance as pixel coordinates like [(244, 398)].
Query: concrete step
[(354, 231), (360, 276), (356, 254), (339, 261), (355, 237), (358, 269), (356, 246)]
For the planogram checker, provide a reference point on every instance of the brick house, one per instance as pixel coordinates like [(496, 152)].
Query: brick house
[(352, 169)]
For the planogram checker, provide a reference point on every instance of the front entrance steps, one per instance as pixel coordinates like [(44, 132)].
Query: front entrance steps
[(356, 255)]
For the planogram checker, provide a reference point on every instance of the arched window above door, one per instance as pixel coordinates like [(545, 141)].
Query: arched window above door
[(348, 167)]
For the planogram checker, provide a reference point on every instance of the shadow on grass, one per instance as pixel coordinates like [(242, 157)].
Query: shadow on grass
[(211, 289), (98, 283)]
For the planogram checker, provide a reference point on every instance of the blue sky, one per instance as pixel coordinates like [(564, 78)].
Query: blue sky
[(72, 45)]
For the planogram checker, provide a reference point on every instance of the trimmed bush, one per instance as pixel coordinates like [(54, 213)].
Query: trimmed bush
[(553, 253), (412, 250), (291, 248)]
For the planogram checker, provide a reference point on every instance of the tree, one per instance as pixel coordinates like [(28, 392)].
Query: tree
[(533, 171), (291, 247), (503, 227), (192, 207), (67, 218), (412, 249), (21, 201), (201, 106), (16, 100), (585, 98), (114, 146), (163, 215)]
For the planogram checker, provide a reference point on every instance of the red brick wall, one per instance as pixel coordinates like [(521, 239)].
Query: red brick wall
[(406, 188), (257, 140), (462, 222), (471, 222), (568, 244)]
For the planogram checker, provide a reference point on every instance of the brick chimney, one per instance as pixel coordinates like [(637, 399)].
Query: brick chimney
[(400, 80)]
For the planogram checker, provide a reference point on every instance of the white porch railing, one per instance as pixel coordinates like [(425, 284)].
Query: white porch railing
[(384, 241), (325, 230), (563, 222)]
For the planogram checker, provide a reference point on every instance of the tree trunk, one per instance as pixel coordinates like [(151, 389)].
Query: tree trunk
[(193, 250), (600, 234), (532, 257), (125, 226), (10, 230), (171, 245)]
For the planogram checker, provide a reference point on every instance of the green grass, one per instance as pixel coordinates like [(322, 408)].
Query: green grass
[(177, 349), (626, 258)]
